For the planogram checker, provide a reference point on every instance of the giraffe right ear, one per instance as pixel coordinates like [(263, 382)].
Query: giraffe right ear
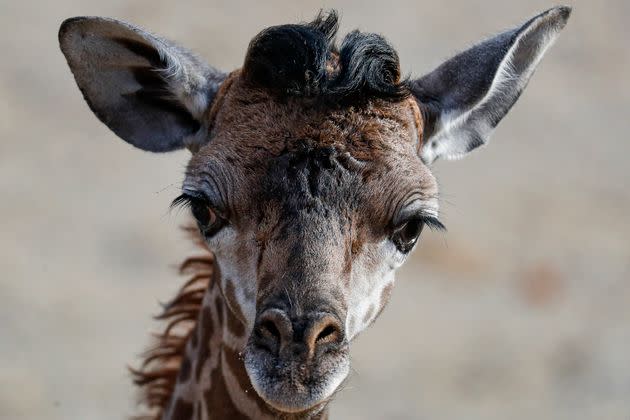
[(150, 92)]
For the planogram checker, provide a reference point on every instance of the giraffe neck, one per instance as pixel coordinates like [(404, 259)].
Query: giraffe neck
[(212, 382)]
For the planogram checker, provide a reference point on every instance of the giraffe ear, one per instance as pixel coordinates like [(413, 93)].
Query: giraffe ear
[(465, 98), (147, 90)]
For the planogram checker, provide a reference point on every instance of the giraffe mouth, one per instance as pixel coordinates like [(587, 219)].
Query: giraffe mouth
[(294, 384)]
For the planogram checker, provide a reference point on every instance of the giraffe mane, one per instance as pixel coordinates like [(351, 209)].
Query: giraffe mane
[(157, 375)]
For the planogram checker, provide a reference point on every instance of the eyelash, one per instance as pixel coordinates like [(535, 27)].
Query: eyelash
[(406, 234), (432, 223), (186, 201), (183, 201)]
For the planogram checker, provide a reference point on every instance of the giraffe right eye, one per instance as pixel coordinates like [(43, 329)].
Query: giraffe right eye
[(203, 213), (210, 222)]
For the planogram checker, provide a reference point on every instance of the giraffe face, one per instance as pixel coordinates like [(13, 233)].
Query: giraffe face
[(309, 212), (308, 177)]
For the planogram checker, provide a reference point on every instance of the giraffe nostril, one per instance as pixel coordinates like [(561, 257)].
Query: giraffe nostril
[(325, 330), (329, 333), (275, 332), (269, 329), (273, 329)]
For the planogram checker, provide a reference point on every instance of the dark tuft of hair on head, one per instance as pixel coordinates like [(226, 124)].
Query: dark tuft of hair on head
[(302, 60), (370, 65), (291, 59), (327, 24)]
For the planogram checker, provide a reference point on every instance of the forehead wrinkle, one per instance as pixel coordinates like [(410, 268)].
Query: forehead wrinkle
[(412, 196), (210, 175), (253, 128), (388, 191), (395, 206)]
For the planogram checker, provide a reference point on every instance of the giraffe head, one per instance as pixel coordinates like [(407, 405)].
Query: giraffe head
[(310, 171)]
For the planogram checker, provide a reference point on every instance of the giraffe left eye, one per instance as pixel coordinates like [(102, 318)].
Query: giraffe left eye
[(406, 234)]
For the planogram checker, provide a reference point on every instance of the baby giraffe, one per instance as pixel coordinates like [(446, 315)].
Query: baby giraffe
[(309, 181)]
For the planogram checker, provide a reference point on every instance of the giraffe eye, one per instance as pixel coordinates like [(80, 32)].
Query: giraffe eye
[(203, 213), (209, 221), (406, 235)]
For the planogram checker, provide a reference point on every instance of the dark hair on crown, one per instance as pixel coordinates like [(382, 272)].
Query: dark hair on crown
[(302, 60)]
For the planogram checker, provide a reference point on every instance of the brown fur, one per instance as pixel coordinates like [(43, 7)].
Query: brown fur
[(363, 132), (250, 127), (162, 363), (317, 153)]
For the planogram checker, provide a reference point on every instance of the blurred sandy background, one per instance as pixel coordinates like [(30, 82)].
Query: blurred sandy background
[(520, 311)]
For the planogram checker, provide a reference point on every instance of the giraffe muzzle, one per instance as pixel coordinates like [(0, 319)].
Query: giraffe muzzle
[(304, 337), (295, 363)]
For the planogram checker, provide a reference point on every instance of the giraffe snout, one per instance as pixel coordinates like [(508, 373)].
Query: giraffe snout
[(304, 336), (296, 361)]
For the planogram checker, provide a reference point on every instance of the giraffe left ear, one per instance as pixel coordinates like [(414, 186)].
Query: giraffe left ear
[(465, 98)]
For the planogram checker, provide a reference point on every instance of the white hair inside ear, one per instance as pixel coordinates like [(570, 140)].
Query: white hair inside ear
[(468, 95), (149, 91)]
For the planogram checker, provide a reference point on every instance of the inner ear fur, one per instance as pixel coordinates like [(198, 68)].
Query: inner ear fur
[(464, 99), (149, 91)]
